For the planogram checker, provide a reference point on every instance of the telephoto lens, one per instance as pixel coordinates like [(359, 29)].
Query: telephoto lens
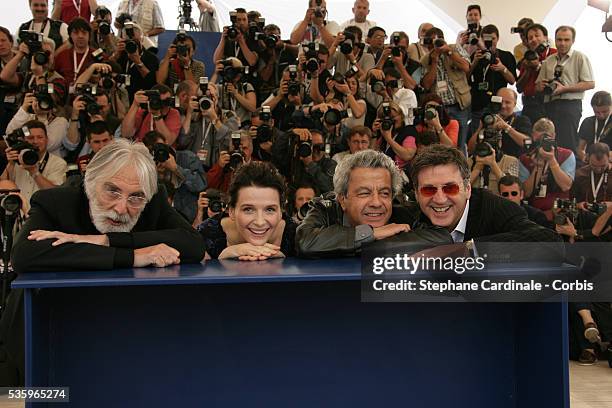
[(304, 149)]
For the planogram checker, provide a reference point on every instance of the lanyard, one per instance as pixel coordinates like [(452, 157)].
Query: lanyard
[(43, 163), (598, 134), (131, 7), (77, 5), (594, 189), (77, 68), (206, 133)]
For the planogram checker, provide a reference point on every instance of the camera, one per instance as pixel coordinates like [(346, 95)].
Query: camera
[(182, 50), (547, 143), (486, 140), (376, 84), (232, 31), (34, 41), (104, 27), (395, 40), (229, 72), (131, 46), (550, 87), (28, 153), (567, 210), (160, 152), (488, 55), (333, 117), (215, 203), (205, 102), (490, 112), (264, 131), (123, 18), (352, 71), (319, 11), (91, 106), (271, 40), (237, 155), (311, 53), (301, 213), (597, 208), (304, 149), (107, 80), (516, 30), (439, 42), (293, 86), (542, 47), (346, 46), (472, 33), (256, 29), (10, 203), (155, 102), (42, 93), (387, 121)]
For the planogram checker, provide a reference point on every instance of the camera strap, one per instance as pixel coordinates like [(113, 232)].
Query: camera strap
[(206, 128), (603, 180), (77, 68), (598, 134), (77, 5), (42, 27), (43, 163)]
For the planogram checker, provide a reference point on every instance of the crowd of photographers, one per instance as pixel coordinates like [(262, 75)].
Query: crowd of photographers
[(72, 83)]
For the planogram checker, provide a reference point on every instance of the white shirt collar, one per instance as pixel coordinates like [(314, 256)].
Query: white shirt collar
[(459, 231)]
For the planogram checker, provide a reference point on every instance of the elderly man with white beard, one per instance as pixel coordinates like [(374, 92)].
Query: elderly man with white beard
[(119, 219)]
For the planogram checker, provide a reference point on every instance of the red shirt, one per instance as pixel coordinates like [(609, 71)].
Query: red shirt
[(451, 130), (529, 88), (64, 64), (69, 11), (143, 124)]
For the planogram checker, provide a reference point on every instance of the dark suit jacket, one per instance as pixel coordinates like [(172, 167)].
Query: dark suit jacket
[(66, 209)]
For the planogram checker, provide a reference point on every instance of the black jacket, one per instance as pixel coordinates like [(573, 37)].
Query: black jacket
[(323, 234), (66, 209)]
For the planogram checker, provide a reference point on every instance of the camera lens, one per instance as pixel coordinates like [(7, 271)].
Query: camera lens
[(205, 104), (304, 149), (28, 157), (41, 58), (104, 28), (107, 82), (131, 47)]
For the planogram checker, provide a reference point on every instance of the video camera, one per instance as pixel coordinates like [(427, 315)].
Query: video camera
[(472, 32), (311, 52), (34, 41), (28, 153), (567, 211), (550, 87)]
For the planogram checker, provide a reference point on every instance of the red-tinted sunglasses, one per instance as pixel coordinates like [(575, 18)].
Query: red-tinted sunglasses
[(448, 189)]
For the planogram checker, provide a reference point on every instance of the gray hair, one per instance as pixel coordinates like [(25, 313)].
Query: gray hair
[(368, 159), (116, 156)]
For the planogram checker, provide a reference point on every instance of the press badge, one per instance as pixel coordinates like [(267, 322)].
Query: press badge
[(202, 154), (483, 86), (541, 191), (72, 89), (10, 99), (442, 86)]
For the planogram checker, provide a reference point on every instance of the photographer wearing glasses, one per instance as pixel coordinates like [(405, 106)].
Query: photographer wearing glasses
[(375, 42), (441, 180), (546, 170), (152, 110), (511, 188), (178, 64), (564, 78)]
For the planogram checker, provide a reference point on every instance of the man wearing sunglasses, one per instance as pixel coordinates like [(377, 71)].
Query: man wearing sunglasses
[(441, 179), (511, 188)]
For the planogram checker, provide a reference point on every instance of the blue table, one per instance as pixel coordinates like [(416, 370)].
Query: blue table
[(282, 334)]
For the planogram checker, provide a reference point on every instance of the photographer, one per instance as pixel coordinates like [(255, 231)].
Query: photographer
[(446, 68), (56, 30), (491, 70), (393, 137), (152, 110), (138, 63), (346, 90), (469, 39), (511, 188), (395, 56), (391, 90), (417, 50), (572, 223), (564, 78), (603, 224), (529, 68), (238, 152), (47, 172), (547, 170), (210, 203), (314, 27), (375, 42), (359, 138), (181, 169), (299, 199), (235, 41), (288, 99), (235, 92), (71, 62), (591, 183), (9, 95), (265, 135), (350, 53), (435, 119), (489, 164), (102, 35), (309, 162), (68, 10), (209, 21), (87, 109), (145, 13), (178, 63), (98, 136), (515, 128), (361, 9), (596, 128), (523, 46), (109, 80), (46, 113), (207, 132), (275, 56)]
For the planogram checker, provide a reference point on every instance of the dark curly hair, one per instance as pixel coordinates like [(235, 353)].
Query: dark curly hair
[(257, 174)]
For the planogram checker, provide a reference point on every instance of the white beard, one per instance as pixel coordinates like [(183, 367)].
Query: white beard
[(100, 218)]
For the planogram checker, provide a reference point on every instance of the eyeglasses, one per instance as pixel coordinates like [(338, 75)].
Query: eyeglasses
[(133, 201), (510, 193), (448, 189)]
